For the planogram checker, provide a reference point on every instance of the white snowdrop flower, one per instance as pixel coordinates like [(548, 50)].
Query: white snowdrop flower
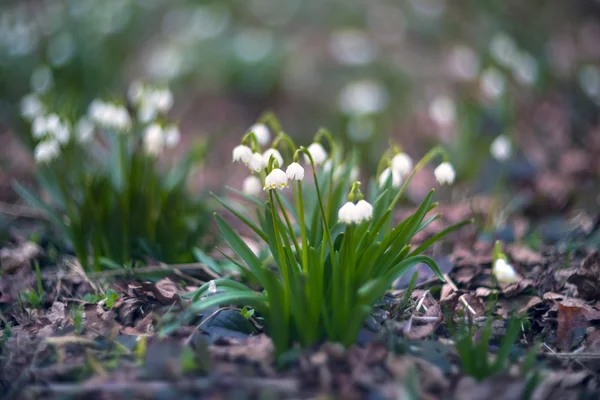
[(362, 97), (52, 123), (317, 152), (256, 162), (275, 153), (172, 136), (97, 111), (504, 272), (39, 127), (32, 107), (503, 49), (212, 287), (135, 92), (261, 132), (84, 130), (442, 111), (352, 47), (62, 133), (402, 163), (242, 154), (492, 83), (122, 120), (364, 210), (396, 177), (295, 171), (252, 185), (163, 100), (464, 63), (46, 151), (348, 214), (276, 179), (146, 112), (153, 140), (525, 69), (501, 148), (444, 173)]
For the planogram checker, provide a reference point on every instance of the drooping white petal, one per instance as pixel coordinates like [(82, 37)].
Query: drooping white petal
[(32, 107), (262, 133), (172, 136), (256, 162), (153, 140), (402, 163), (501, 148), (317, 152), (396, 178), (275, 153), (46, 151), (365, 210), (295, 171), (504, 272), (242, 154), (348, 214), (276, 179), (444, 173)]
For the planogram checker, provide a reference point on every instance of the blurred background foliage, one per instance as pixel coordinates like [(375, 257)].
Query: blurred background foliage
[(420, 72)]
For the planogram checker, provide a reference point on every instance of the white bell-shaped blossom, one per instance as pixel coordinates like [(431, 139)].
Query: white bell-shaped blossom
[(276, 179), (364, 210), (504, 272), (52, 123), (317, 152), (262, 134), (84, 130), (442, 111), (32, 107), (252, 185), (348, 213), (163, 100), (396, 177), (46, 151), (256, 163), (295, 172), (172, 136), (275, 153), (242, 154), (146, 113), (62, 133), (444, 173), (39, 127), (501, 148), (153, 140), (110, 115), (402, 163), (212, 287)]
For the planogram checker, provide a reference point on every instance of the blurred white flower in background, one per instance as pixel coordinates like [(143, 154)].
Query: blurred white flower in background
[(84, 130), (402, 163), (153, 140), (275, 153), (261, 132), (501, 148), (492, 83), (253, 45), (172, 136), (317, 152), (362, 97), (46, 151), (252, 185), (464, 63), (504, 272), (503, 49), (525, 69), (32, 106), (150, 100), (109, 115), (352, 47), (396, 178), (243, 154), (442, 110), (165, 62), (444, 173)]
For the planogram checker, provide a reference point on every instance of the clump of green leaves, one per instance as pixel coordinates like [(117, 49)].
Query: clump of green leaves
[(34, 297), (106, 190), (323, 273)]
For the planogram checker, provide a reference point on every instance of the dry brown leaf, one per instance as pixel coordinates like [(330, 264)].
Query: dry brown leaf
[(587, 278)]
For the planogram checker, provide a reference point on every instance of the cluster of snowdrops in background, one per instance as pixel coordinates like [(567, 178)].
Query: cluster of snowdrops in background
[(267, 170), (52, 132)]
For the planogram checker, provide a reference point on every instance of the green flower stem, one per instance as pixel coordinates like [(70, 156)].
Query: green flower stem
[(282, 262), (300, 203), (426, 159), (269, 118), (283, 137), (288, 223)]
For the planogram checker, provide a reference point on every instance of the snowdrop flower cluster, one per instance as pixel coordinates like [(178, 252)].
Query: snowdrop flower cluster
[(504, 272), (444, 173), (351, 213), (110, 115), (32, 107), (501, 148), (150, 101), (317, 152), (51, 126)]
